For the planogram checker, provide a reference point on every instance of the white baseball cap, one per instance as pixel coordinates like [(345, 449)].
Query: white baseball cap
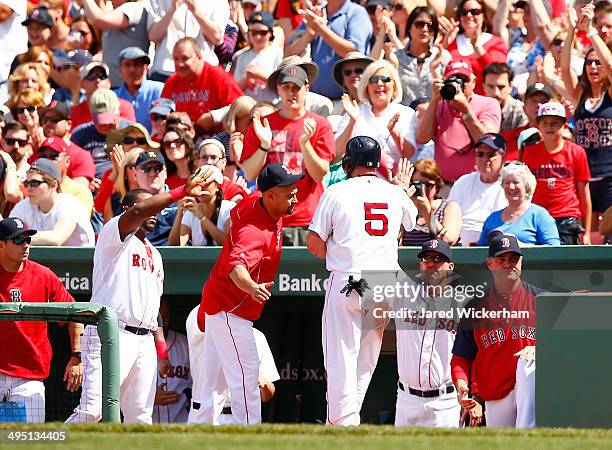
[(551, 109)]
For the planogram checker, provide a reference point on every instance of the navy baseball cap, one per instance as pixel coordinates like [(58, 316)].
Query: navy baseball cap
[(494, 141), (293, 74), (438, 246), (12, 227), (132, 53), (276, 175), (72, 58), (262, 17), (47, 167), (40, 15), (537, 88), (150, 156), (503, 243), (162, 106)]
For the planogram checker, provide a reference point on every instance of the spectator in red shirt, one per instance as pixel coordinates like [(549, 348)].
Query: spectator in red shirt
[(94, 76), (301, 140), (198, 88), (25, 356), (562, 173)]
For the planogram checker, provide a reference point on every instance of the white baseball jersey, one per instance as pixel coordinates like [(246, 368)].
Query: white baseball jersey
[(128, 277), (360, 220), (178, 354)]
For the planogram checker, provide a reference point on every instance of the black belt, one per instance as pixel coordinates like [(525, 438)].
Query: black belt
[(227, 410), (428, 394), (136, 330)]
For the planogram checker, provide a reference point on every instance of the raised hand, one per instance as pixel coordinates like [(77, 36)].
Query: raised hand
[(389, 52), (449, 29), (262, 130), (351, 107), (236, 144), (435, 63), (198, 182), (310, 126), (403, 176), (585, 22), (393, 128)]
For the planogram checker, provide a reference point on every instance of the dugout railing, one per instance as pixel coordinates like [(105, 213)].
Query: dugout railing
[(88, 314)]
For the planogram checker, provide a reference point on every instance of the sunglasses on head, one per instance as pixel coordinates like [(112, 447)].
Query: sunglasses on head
[(259, 33), (129, 140), (434, 258), (22, 109), (174, 142), (156, 117), (155, 168), (20, 240), (488, 155), (473, 12), (514, 163), (33, 183), (19, 142), (421, 24), (356, 71), (375, 79), (92, 76), (54, 119)]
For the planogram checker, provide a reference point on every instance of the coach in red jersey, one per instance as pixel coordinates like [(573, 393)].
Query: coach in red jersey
[(25, 353), (499, 352), (235, 294)]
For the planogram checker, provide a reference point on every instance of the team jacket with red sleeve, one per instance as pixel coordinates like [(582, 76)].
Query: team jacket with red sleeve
[(254, 241), (25, 351), (491, 343)]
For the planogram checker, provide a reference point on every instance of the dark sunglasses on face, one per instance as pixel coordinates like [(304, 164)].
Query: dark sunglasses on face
[(20, 240), (49, 154), (356, 71), (19, 142), (33, 183), (156, 168), (488, 155), (22, 109), (473, 12), (259, 33), (421, 24), (434, 258), (92, 76), (557, 42), (156, 117), (54, 119), (589, 62), (376, 78), (175, 142), (129, 140)]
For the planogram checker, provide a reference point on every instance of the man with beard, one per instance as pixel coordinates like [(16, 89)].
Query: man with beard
[(235, 294), (128, 277), (499, 352)]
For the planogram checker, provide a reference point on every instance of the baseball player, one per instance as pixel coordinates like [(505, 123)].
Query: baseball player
[(236, 291), (25, 353), (128, 277), (174, 391), (426, 395), (268, 372), (355, 228), (499, 353)]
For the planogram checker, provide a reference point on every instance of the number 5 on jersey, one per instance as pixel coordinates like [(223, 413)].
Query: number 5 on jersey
[(377, 223)]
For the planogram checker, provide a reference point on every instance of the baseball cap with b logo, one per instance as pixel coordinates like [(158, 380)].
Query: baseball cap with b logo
[(503, 243), (276, 175), (438, 246), (12, 227), (293, 74)]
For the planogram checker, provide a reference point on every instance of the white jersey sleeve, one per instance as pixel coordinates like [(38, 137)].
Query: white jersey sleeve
[(322, 219), (267, 366)]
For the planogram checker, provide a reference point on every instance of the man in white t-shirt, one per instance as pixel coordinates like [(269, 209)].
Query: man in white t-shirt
[(167, 23), (268, 372), (480, 193), (60, 218)]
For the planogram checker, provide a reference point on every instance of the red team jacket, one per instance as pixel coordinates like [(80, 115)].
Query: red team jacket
[(491, 344), (254, 241), (25, 351)]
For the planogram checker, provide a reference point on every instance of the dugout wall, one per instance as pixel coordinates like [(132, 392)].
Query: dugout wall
[(292, 319)]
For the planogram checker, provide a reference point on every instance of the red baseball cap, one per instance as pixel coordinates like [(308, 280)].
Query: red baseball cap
[(458, 67), (55, 143)]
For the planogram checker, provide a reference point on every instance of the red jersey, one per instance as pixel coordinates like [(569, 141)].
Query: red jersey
[(81, 163), (254, 241), (82, 114), (286, 150), (231, 189), (491, 343), (26, 352), (212, 89), (557, 175), (511, 137)]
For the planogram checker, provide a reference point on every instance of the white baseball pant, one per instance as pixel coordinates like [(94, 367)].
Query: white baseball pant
[(517, 409), (350, 354), (230, 351), (29, 392), (440, 412)]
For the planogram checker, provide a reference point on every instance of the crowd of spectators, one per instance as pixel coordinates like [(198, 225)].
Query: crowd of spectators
[(505, 108)]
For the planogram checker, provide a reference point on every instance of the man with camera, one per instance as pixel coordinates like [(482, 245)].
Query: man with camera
[(456, 118)]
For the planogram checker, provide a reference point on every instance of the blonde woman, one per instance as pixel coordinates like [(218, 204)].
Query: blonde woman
[(24, 106), (530, 223), (380, 115), (123, 179), (30, 75)]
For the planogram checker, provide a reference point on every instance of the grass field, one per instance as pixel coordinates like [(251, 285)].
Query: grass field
[(303, 437)]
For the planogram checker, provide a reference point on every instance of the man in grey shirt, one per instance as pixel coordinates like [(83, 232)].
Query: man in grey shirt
[(497, 85)]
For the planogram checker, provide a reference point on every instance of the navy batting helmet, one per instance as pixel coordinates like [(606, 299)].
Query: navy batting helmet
[(361, 151)]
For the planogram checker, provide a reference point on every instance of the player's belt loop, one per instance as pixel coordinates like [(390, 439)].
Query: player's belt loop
[(428, 394)]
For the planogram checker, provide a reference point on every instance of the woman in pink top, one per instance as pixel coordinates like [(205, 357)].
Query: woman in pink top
[(468, 39)]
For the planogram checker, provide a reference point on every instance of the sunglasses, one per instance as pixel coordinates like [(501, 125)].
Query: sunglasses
[(92, 76), (259, 33), (19, 142), (397, 6), (20, 240), (473, 12), (175, 142), (156, 168), (156, 117), (22, 109), (377, 78), (33, 183), (421, 24), (129, 140), (54, 119), (356, 71), (434, 258), (557, 42), (49, 155), (488, 155), (590, 62)]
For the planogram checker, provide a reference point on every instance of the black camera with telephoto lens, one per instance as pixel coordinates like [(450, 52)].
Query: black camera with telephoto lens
[(452, 86), (420, 187)]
